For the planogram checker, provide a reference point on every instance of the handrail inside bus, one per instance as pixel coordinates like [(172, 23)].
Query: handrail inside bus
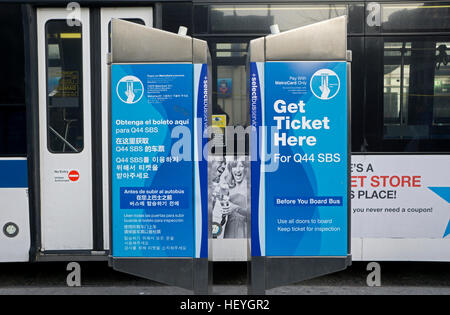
[(62, 139)]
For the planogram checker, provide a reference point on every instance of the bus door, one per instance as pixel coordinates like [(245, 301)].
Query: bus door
[(65, 131), (73, 146)]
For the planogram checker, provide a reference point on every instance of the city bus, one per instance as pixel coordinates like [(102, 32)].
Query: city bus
[(54, 154)]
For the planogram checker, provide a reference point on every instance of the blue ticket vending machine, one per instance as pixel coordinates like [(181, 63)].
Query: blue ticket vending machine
[(159, 113), (299, 100)]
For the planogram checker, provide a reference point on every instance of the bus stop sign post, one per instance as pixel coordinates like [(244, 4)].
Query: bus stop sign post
[(299, 94), (159, 108)]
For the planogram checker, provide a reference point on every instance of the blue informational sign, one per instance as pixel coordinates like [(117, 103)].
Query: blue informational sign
[(301, 189), (152, 188)]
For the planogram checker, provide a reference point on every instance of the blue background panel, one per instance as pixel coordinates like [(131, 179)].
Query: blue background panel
[(306, 197), (152, 190)]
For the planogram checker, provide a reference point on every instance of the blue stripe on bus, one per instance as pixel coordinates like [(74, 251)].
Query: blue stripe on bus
[(13, 174)]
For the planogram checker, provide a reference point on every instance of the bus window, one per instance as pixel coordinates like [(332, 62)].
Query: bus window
[(416, 90), (64, 87), (259, 18), (229, 96), (423, 17), (229, 87), (407, 101), (12, 87)]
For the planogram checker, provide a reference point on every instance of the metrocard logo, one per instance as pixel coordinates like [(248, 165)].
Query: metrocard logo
[(325, 84), (130, 89)]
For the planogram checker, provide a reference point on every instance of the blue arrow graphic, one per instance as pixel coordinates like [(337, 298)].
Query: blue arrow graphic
[(444, 193)]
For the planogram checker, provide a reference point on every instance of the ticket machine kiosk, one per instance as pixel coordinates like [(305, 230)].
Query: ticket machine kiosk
[(299, 95), (158, 116)]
